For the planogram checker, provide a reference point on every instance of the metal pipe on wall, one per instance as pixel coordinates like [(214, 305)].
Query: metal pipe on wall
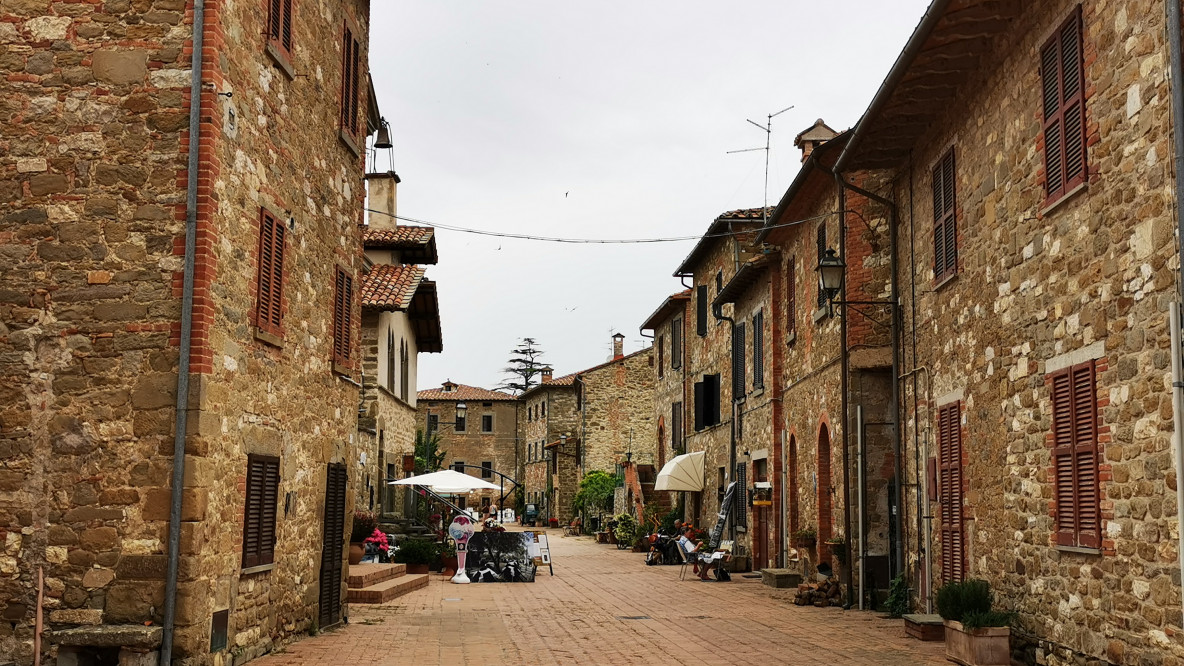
[(1176, 69), (183, 359), (1177, 417), (844, 382), (860, 453)]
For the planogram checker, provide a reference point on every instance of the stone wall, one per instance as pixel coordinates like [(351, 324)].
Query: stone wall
[(542, 426), (756, 432), (618, 410), (1092, 276), (474, 446)]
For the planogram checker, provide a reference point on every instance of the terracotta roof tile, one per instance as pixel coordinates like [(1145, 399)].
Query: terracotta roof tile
[(399, 237), (463, 392), (745, 214), (390, 287)]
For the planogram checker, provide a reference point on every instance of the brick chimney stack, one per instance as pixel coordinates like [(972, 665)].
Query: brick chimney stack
[(547, 372), (382, 190), (814, 136), (618, 346)]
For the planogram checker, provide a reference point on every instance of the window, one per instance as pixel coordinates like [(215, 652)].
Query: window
[(343, 304), (701, 310), (458, 466), (738, 368), (529, 416), (719, 282), (676, 343), (791, 296), (270, 289), (487, 469), (661, 356), (676, 442), (707, 402), (544, 408), (279, 26), (263, 482), (459, 423), (404, 369), (821, 242), (945, 234), (1062, 75), (487, 423), (1077, 503), (758, 350), (433, 423), (351, 72), (390, 360)]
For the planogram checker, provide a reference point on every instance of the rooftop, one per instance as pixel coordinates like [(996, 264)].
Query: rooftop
[(463, 392), (718, 230), (417, 245), (390, 287)]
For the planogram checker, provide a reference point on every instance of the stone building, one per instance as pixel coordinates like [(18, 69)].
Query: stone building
[(95, 195), (616, 410), (669, 326), (400, 319), (479, 434), (549, 423), (1025, 150)]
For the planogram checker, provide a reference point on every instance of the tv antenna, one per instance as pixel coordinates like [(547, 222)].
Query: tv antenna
[(768, 130)]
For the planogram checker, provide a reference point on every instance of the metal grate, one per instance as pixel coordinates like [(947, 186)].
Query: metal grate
[(633, 617), (218, 630)]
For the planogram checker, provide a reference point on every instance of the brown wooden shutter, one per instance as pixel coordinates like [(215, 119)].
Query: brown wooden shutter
[(259, 510), (279, 24), (738, 365), (269, 307), (1062, 72), (333, 545), (758, 350), (350, 89), (1077, 497), (821, 243), (701, 309), (945, 234), (343, 299), (791, 301), (286, 29), (953, 549), (661, 356), (700, 395)]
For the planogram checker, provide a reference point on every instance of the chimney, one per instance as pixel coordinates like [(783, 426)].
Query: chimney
[(547, 372), (814, 136), (618, 346), (449, 387), (381, 191)]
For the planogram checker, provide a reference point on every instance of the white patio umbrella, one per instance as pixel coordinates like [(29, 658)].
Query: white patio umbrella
[(446, 482), (682, 473)]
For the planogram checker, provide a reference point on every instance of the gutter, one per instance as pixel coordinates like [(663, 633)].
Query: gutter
[(911, 49), (183, 360), (1177, 85)]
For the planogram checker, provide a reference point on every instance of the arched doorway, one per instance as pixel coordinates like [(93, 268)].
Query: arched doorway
[(792, 495), (661, 441), (825, 497)]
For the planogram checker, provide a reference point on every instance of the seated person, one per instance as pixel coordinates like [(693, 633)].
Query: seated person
[(691, 547), (678, 529)]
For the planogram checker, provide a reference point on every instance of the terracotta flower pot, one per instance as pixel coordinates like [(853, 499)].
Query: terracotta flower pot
[(450, 563), (987, 646), (356, 551)]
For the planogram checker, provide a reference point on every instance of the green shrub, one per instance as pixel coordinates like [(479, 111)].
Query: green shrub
[(897, 603), (626, 529), (978, 619), (416, 551), (956, 600)]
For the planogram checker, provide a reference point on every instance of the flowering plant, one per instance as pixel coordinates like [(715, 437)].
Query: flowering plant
[(491, 525), (379, 539)]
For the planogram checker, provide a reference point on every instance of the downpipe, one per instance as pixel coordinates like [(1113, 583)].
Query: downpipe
[(1177, 420), (1177, 88), (860, 459), (183, 359)]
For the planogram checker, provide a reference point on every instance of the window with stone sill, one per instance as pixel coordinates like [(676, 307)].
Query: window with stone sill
[(280, 28), (343, 305), (351, 74), (269, 286), (259, 511), (1062, 77)]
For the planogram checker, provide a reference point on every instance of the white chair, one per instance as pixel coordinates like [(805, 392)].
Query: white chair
[(686, 559), (508, 516)]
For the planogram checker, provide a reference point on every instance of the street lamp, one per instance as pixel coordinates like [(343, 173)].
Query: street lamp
[(831, 270)]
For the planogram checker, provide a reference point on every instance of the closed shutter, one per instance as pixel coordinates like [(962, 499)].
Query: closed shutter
[(351, 72), (259, 510), (758, 350), (791, 300), (661, 356), (676, 428), (279, 24), (343, 303), (676, 343), (269, 301), (1077, 494), (738, 368), (333, 545), (701, 309), (821, 244), (740, 498), (953, 547), (711, 387), (945, 234), (1062, 73), (700, 405)]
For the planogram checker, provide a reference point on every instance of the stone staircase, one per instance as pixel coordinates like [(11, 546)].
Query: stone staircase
[(379, 583)]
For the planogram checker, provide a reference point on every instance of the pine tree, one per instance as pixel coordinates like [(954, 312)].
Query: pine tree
[(524, 366)]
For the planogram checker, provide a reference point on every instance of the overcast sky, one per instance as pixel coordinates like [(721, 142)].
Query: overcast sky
[(599, 120)]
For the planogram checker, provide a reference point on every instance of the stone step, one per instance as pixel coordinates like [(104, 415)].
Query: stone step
[(372, 573), (387, 590)]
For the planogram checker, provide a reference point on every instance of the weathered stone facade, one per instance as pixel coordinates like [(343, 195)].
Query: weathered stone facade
[(616, 412), (549, 420), (92, 203)]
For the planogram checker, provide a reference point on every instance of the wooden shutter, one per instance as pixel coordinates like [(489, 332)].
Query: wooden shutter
[(953, 547), (279, 24), (1077, 496), (676, 428), (701, 309), (791, 301), (738, 368), (711, 386), (661, 356), (945, 234), (1062, 73), (351, 72), (333, 545), (821, 243), (700, 405), (259, 511), (269, 302), (758, 350), (343, 301), (676, 343)]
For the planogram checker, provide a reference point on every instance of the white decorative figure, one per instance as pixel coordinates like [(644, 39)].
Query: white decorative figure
[(460, 530)]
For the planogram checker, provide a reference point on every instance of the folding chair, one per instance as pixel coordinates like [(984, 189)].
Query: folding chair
[(686, 559)]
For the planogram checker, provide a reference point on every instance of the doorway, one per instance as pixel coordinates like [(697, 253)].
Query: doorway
[(760, 517), (332, 546), (825, 497)]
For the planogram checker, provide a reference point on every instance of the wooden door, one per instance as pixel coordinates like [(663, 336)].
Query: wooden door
[(953, 535), (760, 519), (332, 546), (824, 494)]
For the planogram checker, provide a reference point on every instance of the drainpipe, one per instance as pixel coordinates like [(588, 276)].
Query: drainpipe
[(845, 370), (1177, 80), (183, 360), (718, 311)]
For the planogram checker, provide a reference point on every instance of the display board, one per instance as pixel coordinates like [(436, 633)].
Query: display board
[(725, 509), (501, 557)]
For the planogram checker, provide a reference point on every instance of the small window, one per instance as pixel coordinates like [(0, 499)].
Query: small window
[(458, 466), (270, 286), (459, 424), (343, 305), (1062, 75), (1077, 493), (487, 423), (676, 343), (390, 360), (487, 469), (544, 408), (404, 370), (758, 350), (219, 625), (676, 428), (487, 404), (945, 233), (259, 511), (719, 282), (433, 423), (701, 310)]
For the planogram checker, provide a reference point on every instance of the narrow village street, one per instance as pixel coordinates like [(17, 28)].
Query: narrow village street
[(604, 606)]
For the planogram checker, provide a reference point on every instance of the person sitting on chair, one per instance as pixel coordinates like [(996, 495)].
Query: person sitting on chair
[(691, 548)]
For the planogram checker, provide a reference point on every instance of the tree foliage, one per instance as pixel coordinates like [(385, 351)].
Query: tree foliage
[(524, 366), (429, 457), (596, 492)]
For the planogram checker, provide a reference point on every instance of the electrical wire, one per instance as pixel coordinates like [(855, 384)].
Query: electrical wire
[(602, 241)]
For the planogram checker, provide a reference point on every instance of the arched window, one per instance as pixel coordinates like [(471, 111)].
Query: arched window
[(404, 369), (390, 360)]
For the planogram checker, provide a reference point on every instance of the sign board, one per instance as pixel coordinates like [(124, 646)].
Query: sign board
[(725, 508), (542, 551)]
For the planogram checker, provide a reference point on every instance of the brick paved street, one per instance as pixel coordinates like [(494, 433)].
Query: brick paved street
[(577, 617)]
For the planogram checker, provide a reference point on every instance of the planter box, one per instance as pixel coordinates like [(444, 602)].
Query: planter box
[(602, 537), (781, 577), (925, 627), (988, 646)]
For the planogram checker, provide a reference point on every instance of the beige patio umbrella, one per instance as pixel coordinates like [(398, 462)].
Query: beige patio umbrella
[(682, 473), (446, 482)]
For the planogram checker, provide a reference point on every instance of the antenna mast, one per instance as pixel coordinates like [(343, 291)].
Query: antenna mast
[(767, 128)]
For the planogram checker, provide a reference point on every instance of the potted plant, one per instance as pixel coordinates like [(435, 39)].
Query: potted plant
[(976, 635), (805, 538), (417, 554), (838, 548), (364, 525), (625, 530)]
